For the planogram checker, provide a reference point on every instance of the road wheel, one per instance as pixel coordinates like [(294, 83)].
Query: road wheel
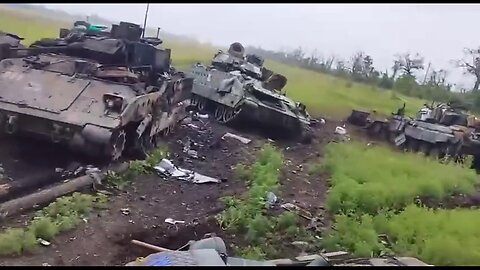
[(220, 113), (411, 145), (435, 151), (424, 147), (202, 104)]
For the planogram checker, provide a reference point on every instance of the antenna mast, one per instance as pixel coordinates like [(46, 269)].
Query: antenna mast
[(145, 21)]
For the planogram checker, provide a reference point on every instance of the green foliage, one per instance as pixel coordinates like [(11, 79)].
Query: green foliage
[(377, 197), (136, 168), (264, 175), (439, 237), (241, 172), (388, 179), (155, 157), (252, 253), (286, 220), (11, 241), (61, 215), (247, 215), (44, 228)]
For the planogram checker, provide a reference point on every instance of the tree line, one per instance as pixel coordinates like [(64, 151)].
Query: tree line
[(400, 77)]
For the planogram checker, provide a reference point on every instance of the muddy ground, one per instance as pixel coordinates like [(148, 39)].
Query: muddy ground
[(105, 238)]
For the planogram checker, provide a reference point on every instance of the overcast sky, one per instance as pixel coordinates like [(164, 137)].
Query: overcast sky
[(438, 32)]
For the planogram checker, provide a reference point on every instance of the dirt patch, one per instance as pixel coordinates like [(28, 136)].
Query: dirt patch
[(104, 238), (150, 200), (454, 201)]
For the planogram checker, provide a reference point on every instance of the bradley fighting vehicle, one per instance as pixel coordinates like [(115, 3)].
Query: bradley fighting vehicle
[(97, 93), (438, 131), (237, 86)]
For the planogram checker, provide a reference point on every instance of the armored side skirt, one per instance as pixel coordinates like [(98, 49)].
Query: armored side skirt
[(90, 140)]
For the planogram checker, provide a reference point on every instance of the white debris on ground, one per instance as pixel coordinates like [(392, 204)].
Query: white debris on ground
[(168, 169), (237, 137), (341, 133), (173, 221)]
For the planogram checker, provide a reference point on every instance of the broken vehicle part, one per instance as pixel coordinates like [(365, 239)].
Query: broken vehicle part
[(168, 169)]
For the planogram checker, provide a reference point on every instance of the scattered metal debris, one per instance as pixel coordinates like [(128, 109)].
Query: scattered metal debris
[(271, 199), (192, 126), (237, 137), (168, 169), (173, 221), (202, 116), (43, 242), (340, 130), (94, 173), (125, 211)]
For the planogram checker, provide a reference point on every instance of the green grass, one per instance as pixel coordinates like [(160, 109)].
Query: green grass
[(29, 25), (61, 215), (247, 215), (374, 193), (368, 179), (439, 237), (136, 168), (336, 97)]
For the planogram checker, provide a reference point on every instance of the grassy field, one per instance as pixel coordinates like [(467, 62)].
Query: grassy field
[(321, 93), (378, 197)]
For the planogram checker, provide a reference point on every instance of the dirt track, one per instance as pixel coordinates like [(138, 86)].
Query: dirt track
[(104, 240)]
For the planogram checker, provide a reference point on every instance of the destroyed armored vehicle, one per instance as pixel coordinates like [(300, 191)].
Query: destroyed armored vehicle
[(435, 131), (236, 87), (99, 95)]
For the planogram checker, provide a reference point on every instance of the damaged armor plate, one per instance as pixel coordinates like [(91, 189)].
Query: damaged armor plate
[(238, 88), (99, 95)]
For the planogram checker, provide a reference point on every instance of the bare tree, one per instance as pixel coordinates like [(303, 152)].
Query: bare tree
[(340, 66), (471, 66), (396, 67), (356, 64), (408, 64), (437, 77), (368, 69)]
